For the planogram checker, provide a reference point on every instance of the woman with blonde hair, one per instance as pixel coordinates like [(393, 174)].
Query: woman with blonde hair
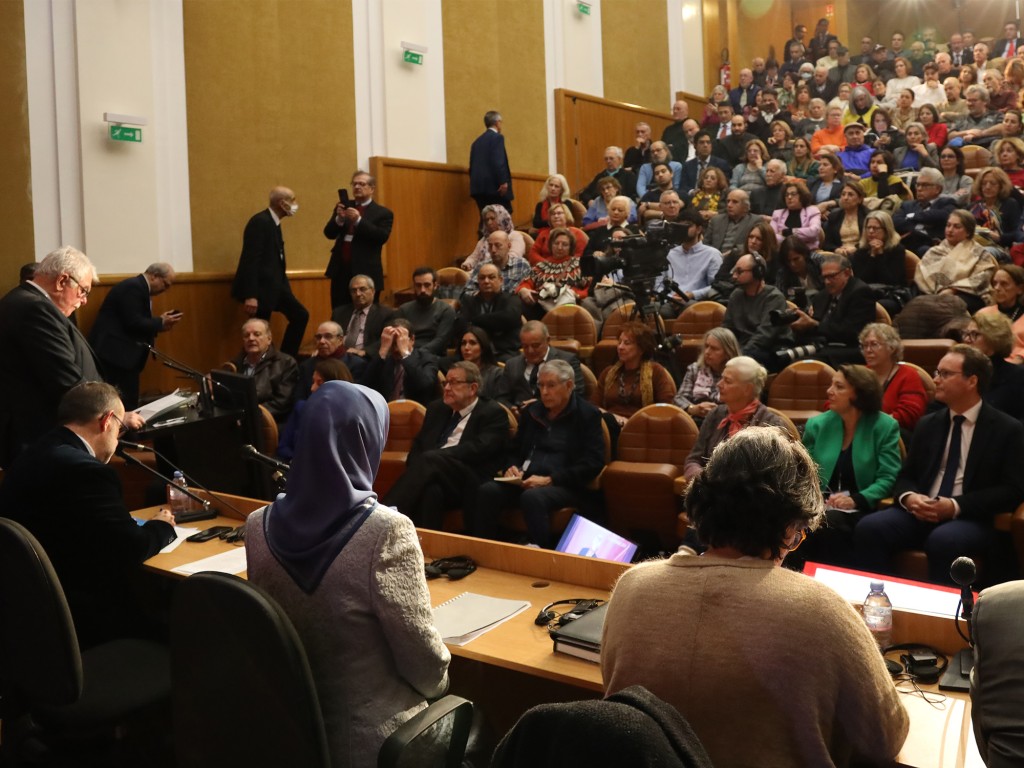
[(994, 208), (1008, 154), (555, 190), (879, 258), (992, 335)]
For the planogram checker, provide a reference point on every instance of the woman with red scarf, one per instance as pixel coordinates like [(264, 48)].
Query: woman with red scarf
[(738, 392)]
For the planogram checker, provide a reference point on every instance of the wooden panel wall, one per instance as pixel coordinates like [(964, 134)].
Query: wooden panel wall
[(585, 125), (16, 190), (271, 100), (210, 332), (435, 218)]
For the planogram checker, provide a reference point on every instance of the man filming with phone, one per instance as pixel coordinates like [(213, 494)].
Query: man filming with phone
[(359, 227)]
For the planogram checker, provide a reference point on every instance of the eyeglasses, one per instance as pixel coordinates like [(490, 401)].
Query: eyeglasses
[(738, 271), (82, 290), (327, 336), (800, 537), (453, 382), (971, 336), (870, 346), (831, 275), (122, 429), (941, 374)]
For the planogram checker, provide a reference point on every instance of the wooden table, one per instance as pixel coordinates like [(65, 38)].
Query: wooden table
[(513, 667)]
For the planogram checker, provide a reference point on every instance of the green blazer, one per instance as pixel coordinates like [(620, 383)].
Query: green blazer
[(876, 453)]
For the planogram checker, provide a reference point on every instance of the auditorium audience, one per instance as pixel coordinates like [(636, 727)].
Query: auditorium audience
[(753, 505), (855, 446), (431, 320), (958, 265), (707, 200), (992, 334), (843, 228), (635, 380), (324, 369), (995, 211), (560, 217), (748, 313), (798, 217), (613, 169), (495, 218), (880, 259), (400, 369), (1008, 298), (475, 347), (597, 214), (698, 395), (349, 574), (514, 269), (799, 274), (555, 191), (499, 313), (275, 373)]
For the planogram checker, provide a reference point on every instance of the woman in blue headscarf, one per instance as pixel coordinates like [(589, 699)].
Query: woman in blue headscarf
[(349, 574)]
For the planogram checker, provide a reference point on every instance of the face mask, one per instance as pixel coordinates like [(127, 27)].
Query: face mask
[(293, 209), (805, 75)]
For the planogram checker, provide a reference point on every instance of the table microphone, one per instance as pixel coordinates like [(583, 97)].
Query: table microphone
[(134, 446), (963, 571), (249, 452)]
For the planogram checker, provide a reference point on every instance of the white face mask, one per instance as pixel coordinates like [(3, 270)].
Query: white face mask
[(293, 209)]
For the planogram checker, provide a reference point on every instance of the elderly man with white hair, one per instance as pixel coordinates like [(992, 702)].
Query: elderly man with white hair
[(44, 353)]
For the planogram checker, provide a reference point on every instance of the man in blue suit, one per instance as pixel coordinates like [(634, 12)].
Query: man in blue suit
[(490, 181)]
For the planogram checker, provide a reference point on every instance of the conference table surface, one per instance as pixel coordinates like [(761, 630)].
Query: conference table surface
[(940, 733)]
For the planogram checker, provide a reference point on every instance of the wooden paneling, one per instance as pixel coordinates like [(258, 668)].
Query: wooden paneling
[(585, 125), (210, 332), (16, 190), (435, 218)]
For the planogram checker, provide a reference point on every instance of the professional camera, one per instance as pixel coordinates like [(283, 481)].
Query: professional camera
[(792, 354), (783, 316)]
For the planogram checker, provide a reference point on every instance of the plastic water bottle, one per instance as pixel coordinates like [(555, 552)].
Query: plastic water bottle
[(178, 501), (878, 614)]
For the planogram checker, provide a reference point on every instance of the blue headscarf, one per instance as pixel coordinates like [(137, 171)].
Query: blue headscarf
[(330, 485)]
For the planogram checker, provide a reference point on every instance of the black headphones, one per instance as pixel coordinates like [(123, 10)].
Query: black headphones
[(580, 606), (455, 568), (760, 269), (923, 663)]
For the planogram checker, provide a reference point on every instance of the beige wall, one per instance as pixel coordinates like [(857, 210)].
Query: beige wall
[(269, 85), (494, 59), (634, 36), (16, 190)]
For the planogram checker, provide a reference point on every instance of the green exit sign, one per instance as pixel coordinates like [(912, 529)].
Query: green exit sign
[(411, 57), (583, 8), (124, 133)]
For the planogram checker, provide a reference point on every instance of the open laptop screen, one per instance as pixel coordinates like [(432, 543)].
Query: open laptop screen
[(587, 538)]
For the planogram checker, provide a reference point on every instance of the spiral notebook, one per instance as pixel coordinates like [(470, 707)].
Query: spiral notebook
[(470, 615)]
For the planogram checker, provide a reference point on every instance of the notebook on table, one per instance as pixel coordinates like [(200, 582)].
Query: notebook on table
[(582, 637)]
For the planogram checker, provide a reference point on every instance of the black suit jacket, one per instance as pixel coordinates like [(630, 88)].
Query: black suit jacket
[(691, 172), (484, 439), (42, 356), (993, 481), (856, 309), (261, 272), (124, 323), (376, 321), (72, 503), (488, 165), (911, 216), (515, 376), (999, 47), (732, 148), (624, 176), (502, 323), (372, 231), (420, 376), (833, 227)]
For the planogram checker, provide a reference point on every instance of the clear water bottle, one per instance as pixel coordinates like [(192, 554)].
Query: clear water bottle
[(178, 501), (878, 614)]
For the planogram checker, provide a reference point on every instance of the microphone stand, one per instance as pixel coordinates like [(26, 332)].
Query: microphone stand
[(206, 512), (958, 673), (202, 382)]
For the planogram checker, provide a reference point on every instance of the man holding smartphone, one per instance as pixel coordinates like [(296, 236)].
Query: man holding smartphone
[(359, 228)]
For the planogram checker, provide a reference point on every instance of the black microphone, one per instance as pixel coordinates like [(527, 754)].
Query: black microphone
[(249, 452), (134, 446), (963, 571)]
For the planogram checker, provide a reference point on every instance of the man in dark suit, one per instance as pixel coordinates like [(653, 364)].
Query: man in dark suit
[(703, 144), (490, 180), (44, 354), (498, 313), (125, 325), (1010, 44), (461, 444), (64, 491), (922, 222), (963, 468), (522, 370), (275, 373), (359, 230), (733, 148), (613, 167), (400, 370), (261, 279), (362, 322), (836, 317)]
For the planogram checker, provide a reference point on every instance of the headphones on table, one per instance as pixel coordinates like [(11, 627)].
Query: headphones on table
[(580, 606), (923, 663), (455, 568)]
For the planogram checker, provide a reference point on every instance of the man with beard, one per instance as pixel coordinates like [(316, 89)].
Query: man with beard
[(431, 319)]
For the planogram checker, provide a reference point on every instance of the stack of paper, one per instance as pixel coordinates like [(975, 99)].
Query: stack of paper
[(469, 615)]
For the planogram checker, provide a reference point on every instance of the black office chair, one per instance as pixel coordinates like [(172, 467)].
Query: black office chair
[(433, 738), (243, 690), (46, 678)]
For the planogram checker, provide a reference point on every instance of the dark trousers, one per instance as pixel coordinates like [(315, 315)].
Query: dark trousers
[(297, 316), (432, 483), (127, 382), (880, 535), (536, 504)]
